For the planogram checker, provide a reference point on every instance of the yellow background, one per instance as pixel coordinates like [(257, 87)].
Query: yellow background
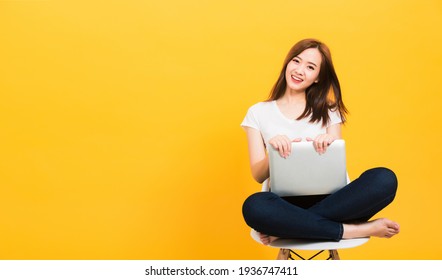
[(119, 121)]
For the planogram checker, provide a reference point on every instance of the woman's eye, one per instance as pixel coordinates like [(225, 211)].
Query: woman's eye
[(311, 68)]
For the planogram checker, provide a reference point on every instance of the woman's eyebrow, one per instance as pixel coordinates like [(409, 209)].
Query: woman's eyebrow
[(307, 61), (313, 64)]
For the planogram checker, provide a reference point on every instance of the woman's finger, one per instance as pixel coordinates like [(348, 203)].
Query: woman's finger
[(282, 144)]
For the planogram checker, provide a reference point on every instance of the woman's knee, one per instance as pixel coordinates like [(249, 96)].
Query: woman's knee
[(257, 200), (254, 207), (385, 179)]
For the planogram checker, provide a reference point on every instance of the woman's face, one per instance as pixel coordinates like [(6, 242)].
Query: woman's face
[(303, 70)]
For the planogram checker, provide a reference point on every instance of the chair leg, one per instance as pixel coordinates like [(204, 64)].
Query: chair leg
[(334, 255), (283, 254)]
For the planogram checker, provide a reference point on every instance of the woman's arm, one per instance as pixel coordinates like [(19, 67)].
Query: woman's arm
[(259, 162), (335, 131)]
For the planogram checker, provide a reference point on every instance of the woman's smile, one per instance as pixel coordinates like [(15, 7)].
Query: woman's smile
[(296, 79)]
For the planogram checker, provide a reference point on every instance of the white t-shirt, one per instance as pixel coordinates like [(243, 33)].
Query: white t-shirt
[(269, 120)]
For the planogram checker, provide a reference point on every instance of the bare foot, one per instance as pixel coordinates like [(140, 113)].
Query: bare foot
[(378, 228), (267, 239)]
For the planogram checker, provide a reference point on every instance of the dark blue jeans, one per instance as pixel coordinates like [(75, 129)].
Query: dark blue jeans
[(358, 201)]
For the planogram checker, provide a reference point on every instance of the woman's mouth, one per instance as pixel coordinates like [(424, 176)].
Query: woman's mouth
[(296, 79)]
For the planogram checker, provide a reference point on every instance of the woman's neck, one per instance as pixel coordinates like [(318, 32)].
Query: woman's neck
[(292, 105), (291, 97)]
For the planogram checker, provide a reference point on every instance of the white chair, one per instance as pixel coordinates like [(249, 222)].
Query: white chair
[(287, 247)]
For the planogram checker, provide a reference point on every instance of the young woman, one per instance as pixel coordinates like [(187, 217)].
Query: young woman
[(305, 104)]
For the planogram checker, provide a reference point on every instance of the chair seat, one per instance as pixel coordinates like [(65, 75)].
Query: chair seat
[(307, 244)]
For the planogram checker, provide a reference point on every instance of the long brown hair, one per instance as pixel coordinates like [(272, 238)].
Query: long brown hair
[(322, 96)]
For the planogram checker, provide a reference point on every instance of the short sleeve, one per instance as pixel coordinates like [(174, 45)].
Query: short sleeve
[(250, 120), (335, 118)]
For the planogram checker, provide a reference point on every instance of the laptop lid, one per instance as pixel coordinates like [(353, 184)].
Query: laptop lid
[(305, 172)]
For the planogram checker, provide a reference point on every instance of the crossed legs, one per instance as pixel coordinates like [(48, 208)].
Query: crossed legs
[(344, 214)]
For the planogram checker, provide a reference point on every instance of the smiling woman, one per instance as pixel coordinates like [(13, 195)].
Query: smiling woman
[(303, 70), (301, 73), (306, 104)]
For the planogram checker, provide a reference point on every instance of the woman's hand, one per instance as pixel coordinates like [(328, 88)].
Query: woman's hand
[(321, 142), (283, 144)]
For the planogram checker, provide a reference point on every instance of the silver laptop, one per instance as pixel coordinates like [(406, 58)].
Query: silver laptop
[(305, 172)]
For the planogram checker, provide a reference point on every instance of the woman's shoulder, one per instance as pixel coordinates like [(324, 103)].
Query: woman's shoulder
[(263, 105), (334, 116)]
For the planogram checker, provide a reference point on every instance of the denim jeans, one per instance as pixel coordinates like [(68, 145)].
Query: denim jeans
[(270, 214)]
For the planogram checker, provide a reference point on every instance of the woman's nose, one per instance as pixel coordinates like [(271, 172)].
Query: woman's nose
[(299, 70)]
